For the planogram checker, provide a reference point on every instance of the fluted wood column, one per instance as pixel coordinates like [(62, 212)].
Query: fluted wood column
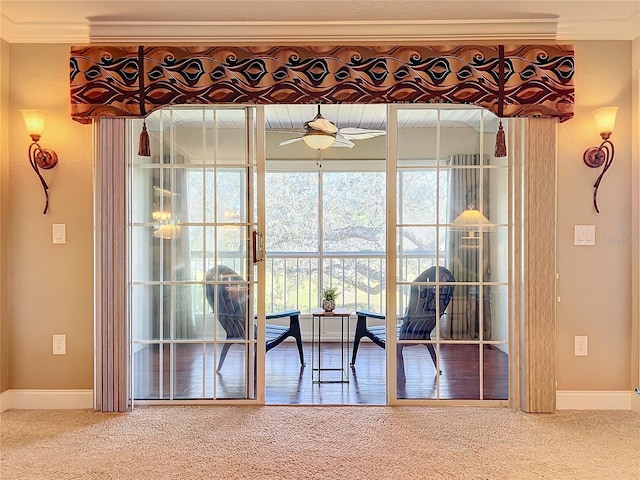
[(538, 326), (111, 372)]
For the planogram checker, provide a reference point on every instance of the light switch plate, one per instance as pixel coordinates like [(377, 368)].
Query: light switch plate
[(59, 233), (584, 235)]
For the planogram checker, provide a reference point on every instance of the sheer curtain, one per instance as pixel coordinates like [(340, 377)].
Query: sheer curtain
[(467, 253), (173, 258), (185, 322)]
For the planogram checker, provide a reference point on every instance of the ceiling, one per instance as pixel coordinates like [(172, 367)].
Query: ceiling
[(244, 22), (291, 118)]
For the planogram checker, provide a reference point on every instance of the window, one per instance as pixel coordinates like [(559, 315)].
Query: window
[(325, 229)]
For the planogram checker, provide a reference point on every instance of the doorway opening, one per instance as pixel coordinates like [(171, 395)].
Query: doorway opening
[(366, 219)]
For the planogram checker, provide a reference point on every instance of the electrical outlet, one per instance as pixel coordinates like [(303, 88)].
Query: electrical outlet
[(580, 347), (59, 344)]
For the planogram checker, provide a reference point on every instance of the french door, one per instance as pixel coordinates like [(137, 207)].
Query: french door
[(197, 200), (448, 212), (193, 216)]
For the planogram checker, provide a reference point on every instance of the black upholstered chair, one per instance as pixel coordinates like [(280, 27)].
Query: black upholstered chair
[(231, 312), (419, 318)]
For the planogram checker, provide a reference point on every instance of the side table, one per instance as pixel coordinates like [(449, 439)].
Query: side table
[(318, 317)]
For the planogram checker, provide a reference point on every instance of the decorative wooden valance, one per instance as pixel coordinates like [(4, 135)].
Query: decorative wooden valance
[(509, 80)]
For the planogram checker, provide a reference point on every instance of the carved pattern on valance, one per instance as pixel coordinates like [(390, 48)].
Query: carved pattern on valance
[(511, 81)]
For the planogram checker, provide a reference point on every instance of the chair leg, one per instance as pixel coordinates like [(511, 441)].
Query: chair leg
[(295, 332), (361, 331), (300, 352), (356, 344), (223, 355), (432, 352), (400, 361)]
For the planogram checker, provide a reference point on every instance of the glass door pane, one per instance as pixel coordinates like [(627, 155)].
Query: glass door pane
[(192, 214), (451, 255)]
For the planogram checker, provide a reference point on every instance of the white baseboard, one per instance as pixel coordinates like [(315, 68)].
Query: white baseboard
[(595, 400), (83, 399), (46, 399)]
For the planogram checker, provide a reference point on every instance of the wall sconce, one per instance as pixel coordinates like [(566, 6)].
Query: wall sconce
[(167, 231), (595, 157), (161, 217), (164, 227), (39, 157)]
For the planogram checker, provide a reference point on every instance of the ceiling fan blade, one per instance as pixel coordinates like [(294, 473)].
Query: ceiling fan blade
[(291, 140), (293, 131), (321, 124), (354, 133), (340, 141)]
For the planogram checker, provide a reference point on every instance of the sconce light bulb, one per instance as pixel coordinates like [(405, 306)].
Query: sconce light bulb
[(34, 122), (605, 120)]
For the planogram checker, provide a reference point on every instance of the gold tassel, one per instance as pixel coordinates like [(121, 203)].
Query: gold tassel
[(144, 149), (501, 145)]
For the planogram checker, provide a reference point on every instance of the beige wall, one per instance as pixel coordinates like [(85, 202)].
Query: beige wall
[(4, 213), (595, 281), (50, 287), (635, 338)]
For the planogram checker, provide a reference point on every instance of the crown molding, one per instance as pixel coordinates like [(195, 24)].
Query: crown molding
[(283, 33), (628, 29), (43, 32), (247, 33), (255, 33)]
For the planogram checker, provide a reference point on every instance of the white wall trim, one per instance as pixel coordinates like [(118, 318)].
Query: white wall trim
[(279, 32), (46, 399), (83, 399), (262, 32), (595, 400), (274, 33), (299, 32)]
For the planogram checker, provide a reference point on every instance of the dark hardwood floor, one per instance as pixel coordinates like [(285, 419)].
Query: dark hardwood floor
[(290, 384)]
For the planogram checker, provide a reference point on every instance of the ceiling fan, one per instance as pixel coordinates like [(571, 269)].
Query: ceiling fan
[(321, 133)]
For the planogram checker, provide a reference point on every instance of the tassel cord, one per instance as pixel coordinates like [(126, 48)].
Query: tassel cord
[(144, 149), (501, 146)]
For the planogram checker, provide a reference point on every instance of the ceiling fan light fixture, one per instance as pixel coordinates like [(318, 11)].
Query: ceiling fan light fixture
[(319, 141)]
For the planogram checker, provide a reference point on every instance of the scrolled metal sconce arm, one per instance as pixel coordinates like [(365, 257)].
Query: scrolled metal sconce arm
[(39, 157), (42, 158), (601, 156), (596, 157)]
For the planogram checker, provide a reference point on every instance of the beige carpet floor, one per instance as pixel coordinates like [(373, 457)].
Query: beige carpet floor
[(273, 442)]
